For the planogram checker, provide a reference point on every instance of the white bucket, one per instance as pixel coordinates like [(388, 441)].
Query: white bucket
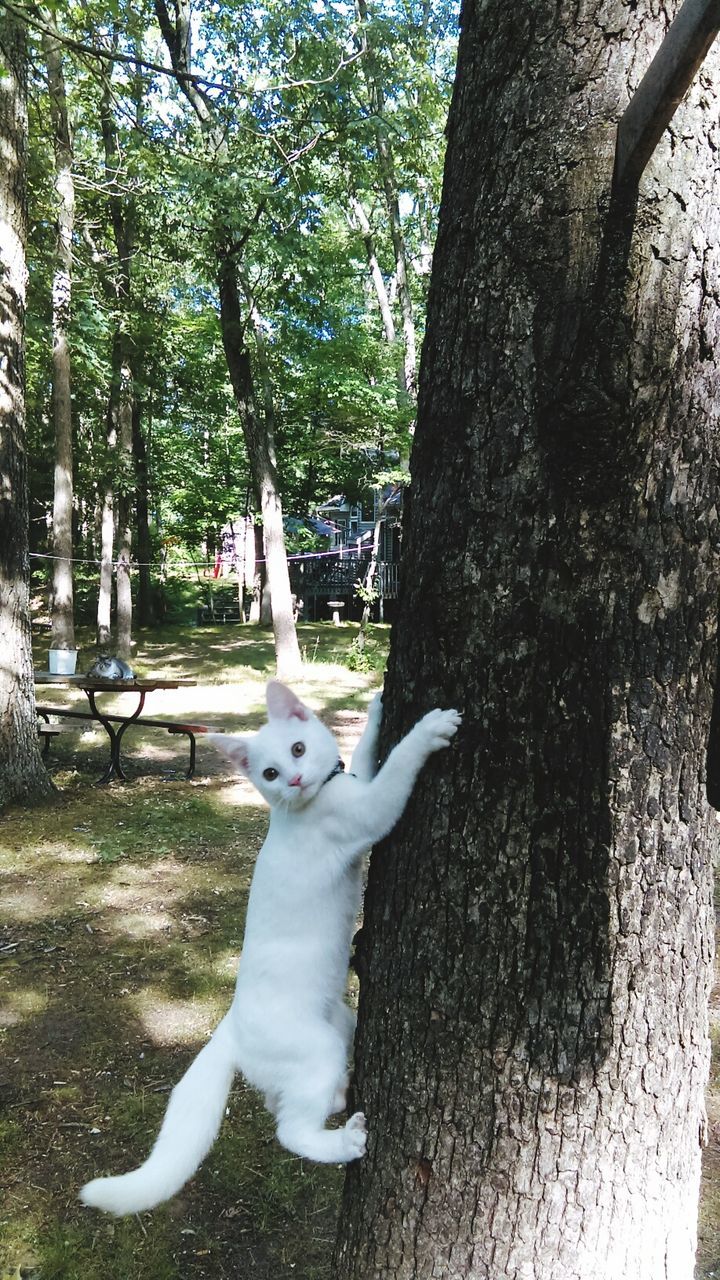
[(62, 662)]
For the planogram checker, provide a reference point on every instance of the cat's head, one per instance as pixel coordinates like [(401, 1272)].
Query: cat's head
[(291, 757)]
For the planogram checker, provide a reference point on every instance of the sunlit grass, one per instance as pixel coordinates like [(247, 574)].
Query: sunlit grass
[(18, 1005)]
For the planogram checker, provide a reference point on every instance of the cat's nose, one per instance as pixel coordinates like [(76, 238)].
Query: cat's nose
[(296, 781)]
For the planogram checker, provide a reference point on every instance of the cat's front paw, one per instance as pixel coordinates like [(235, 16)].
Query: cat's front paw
[(439, 728), (355, 1133)]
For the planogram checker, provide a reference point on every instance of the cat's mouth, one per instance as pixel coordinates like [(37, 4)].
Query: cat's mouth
[(302, 791)]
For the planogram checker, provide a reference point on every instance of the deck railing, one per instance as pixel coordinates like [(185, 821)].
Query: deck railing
[(326, 576)]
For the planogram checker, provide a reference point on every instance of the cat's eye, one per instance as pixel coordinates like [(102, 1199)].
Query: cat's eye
[(298, 749), (270, 774)]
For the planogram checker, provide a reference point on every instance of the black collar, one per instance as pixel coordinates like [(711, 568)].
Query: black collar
[(339, 768)]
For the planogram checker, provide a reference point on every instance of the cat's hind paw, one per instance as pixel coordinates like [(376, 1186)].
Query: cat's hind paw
[(355, 1132), (440, 727)]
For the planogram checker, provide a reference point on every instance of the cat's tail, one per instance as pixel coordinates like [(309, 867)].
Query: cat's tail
[(191, 1125)]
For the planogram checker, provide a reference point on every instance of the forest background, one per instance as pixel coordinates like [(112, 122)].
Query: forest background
[(294, 150)]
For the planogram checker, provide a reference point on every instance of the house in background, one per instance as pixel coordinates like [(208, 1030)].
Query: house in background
[(334, 574), (316, 578)]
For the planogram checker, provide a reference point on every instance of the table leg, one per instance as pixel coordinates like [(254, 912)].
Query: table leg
[(114, 766), (46, 744)]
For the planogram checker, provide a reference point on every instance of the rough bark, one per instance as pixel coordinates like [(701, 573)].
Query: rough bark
[(535, 960), (63, 625), (22, 775)]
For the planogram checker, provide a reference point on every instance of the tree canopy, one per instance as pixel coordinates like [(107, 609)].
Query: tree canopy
[(272, 142)]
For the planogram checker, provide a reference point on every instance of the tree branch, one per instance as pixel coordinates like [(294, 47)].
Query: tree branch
[(96, 51)]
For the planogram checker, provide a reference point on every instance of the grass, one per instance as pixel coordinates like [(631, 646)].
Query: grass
[(121, 919)]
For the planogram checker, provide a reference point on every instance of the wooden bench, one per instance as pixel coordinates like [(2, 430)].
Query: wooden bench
[(48, 731), (220, 613)]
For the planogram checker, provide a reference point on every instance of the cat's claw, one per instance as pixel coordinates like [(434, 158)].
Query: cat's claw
[(356, 1136), (440, 727)]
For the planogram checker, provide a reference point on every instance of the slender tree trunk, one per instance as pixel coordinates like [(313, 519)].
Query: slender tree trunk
[(126, 491), (264, 473), (262, 363), (117, 493), (107, 539), (63, 627), (371, 578), (535, 961), (360, 218), (177, 33), (389, 184), (258, 577), (22, 775), (122, 390), (145, 605)]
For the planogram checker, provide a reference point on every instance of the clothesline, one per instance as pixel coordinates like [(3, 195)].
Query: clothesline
[(198, 564)]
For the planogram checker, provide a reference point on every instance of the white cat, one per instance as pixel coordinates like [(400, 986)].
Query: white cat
[(289, 1029)]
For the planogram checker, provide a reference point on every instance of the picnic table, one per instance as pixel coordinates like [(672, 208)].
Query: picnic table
[(115, 725)]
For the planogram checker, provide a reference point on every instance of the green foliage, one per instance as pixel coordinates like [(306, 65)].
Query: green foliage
[(368, 594), (366, 655), (284, 82)]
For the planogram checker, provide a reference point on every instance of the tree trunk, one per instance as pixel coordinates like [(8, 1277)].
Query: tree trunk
[(389, 184), (145, 603), (122, 388), (125, 494), (264, 474), (259, 578), (370, 587), (22, 775), (103, 627), (177, 33), (360, 218), (63, 626), (535, 961)]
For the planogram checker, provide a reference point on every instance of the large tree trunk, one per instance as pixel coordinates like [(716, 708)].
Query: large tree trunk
[(22, 775), (63, 625), (535, 961)]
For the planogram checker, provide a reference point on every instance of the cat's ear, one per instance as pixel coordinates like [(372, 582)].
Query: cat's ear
[(282, 703), (234, 747)]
